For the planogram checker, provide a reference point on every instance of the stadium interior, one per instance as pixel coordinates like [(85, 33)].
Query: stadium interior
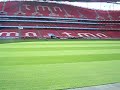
[(57, 45), (45, 20)]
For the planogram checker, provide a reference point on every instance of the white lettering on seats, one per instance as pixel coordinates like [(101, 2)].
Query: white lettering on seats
[(68, 34), (101, 35), (57, 9), (27, 34), (86, 35), (27, 7), (43, 8), (8, 34)]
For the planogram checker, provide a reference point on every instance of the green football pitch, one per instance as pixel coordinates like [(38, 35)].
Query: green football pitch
[(51, 65)]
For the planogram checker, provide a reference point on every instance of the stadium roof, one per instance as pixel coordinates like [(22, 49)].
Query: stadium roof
[(70, 0), (91, 5), (84, 0), (96, 5), (89, 0)]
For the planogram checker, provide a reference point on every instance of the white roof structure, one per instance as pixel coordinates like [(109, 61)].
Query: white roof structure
[(96, 5), (91, 5)]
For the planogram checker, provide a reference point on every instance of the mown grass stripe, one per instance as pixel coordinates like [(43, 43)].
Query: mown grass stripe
[(30, 60), (58, 53), (56, 49), (64, 42), (58, 46)]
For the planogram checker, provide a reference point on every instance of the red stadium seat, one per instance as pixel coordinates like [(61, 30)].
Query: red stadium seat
[(28, 8), (49, 33), (57, 10), (113, 34), (67, 33), (9, 34), (115, 15), (12, 8), (30, 34), (91, 34), (2, 6)]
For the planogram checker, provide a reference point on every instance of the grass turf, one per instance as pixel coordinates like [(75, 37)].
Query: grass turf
[(49, 65)]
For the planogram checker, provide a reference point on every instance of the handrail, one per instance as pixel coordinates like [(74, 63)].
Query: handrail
[(47, 27), (42, 21), (58, 22), (56, 18), (44, 27)]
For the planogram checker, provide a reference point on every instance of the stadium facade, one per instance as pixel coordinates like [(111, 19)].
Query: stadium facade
[(44, 20)]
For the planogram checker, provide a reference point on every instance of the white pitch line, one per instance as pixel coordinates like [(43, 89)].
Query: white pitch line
[(115, 86)]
